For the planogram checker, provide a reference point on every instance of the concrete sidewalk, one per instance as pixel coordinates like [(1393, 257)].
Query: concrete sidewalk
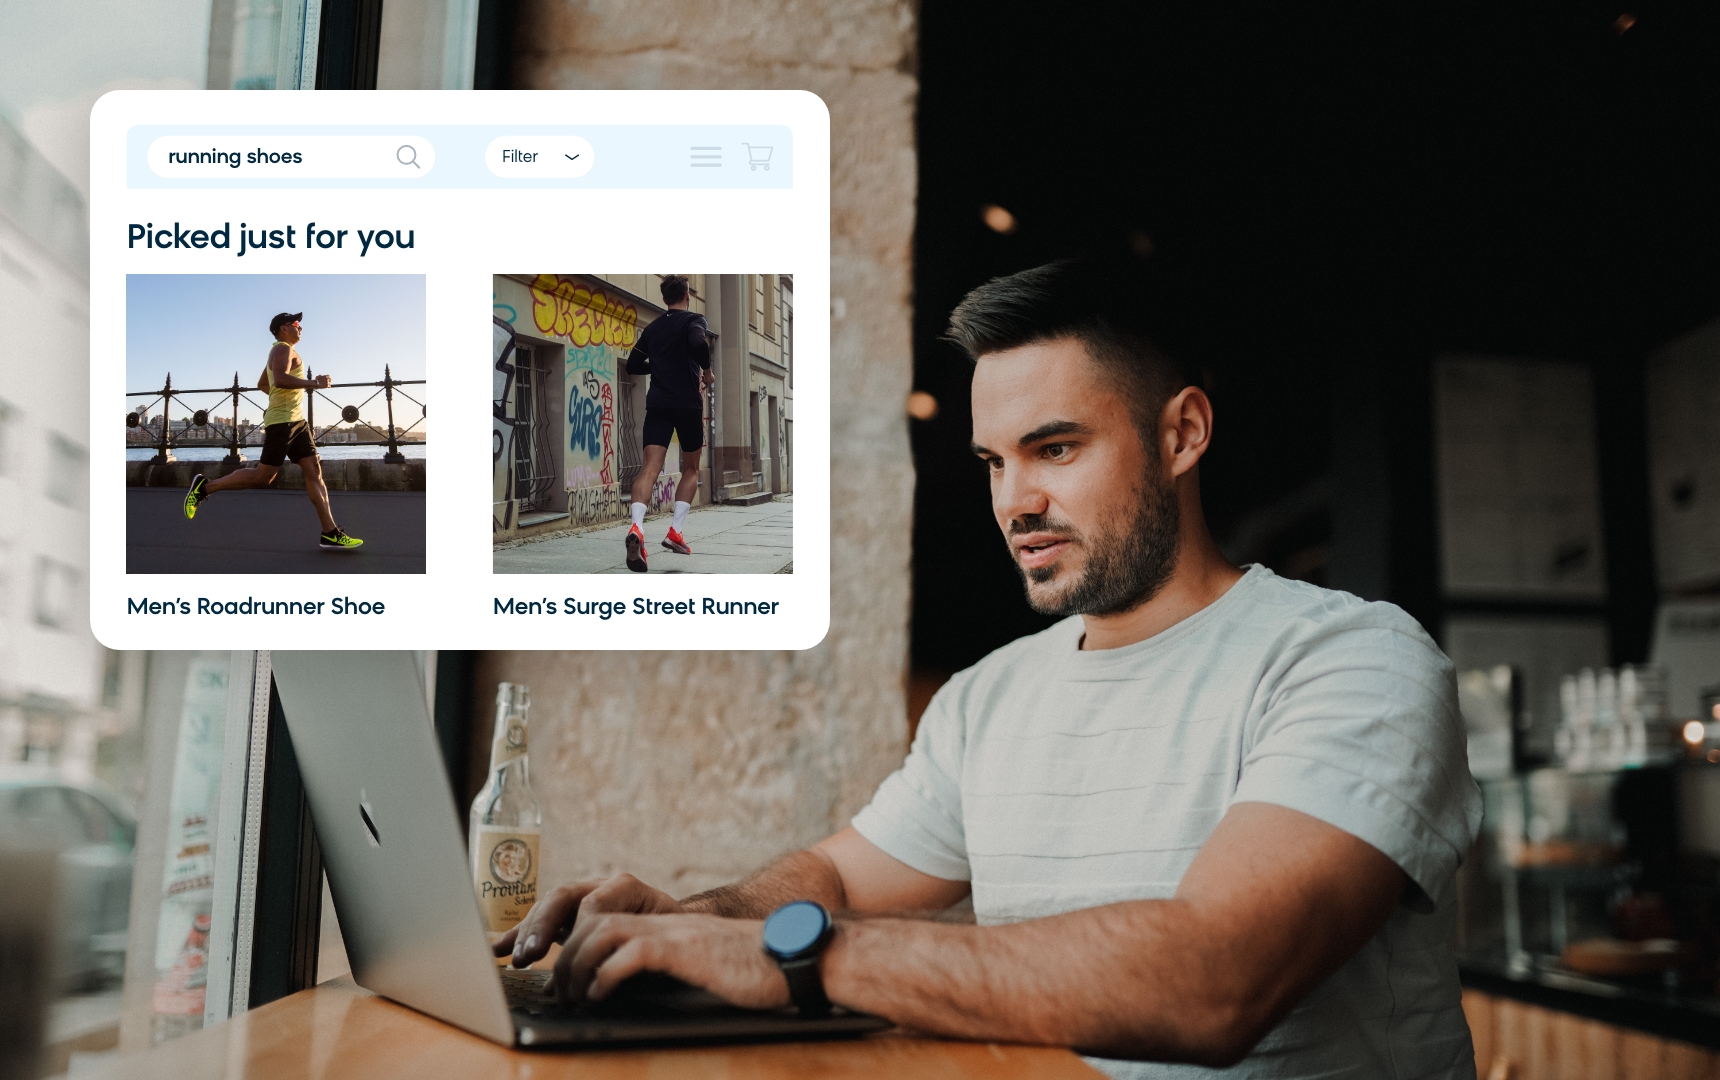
[(271, 532), (725, 540)]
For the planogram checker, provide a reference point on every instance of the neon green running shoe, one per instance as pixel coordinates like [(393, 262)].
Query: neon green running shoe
[(194, 496), (339, 541)]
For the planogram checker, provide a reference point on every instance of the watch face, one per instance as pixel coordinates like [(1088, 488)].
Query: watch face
[(794, 928)]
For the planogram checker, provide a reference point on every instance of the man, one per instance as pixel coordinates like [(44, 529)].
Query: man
[(1213, 817), (286, 435), (675, 351)]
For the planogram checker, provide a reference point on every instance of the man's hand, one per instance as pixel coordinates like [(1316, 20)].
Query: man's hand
[(706, 377), (556, 916), (724, 956), (324, 381)]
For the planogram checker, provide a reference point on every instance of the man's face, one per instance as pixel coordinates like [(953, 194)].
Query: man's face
[(291, 332), (1090, 518)]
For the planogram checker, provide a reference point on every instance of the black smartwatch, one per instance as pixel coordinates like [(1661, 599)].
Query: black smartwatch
[(795, 935)]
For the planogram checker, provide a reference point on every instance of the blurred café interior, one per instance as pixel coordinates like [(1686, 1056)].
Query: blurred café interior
[(1452, 281)]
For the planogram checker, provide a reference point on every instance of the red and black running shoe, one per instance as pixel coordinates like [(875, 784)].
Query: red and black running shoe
[(635, 549), (676, 542)]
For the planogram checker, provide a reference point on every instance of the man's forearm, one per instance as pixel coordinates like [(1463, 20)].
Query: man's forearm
[(1065, 980), (804, 875)]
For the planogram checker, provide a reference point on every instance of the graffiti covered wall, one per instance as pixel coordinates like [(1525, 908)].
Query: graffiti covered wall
[(503, 507), (598, 503), (599, 329)]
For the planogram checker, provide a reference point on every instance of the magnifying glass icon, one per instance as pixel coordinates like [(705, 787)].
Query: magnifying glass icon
[(407, 155)]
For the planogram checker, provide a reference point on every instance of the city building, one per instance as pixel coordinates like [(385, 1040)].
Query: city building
[(568, 418), (57, 685)]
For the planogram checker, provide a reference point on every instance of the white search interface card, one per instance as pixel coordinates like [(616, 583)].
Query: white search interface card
[(611, 307)]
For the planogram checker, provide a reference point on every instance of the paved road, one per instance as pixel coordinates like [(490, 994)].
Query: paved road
[(271, 532), (725, 540)]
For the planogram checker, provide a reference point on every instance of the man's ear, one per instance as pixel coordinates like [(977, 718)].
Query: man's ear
[(1186, 427)]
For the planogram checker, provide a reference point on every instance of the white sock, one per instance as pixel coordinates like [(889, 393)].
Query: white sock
[(638, 513), (681, 509)]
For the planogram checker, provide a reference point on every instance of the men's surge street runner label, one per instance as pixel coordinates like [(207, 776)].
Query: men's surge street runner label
[(506, 872)]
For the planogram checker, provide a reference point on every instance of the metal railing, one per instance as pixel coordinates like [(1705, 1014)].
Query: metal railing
[(237, 438)]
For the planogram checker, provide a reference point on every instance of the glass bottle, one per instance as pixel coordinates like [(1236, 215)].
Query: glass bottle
[(1609, 736), (506, 822)]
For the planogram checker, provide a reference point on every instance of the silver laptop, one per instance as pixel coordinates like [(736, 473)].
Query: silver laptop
[(396, 865)]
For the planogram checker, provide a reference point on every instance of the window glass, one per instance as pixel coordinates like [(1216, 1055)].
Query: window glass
[(44, 817), (58, 594), (72, 710), (100, 824), (68, 472), (273, 45), (6, 464), (57, 59)]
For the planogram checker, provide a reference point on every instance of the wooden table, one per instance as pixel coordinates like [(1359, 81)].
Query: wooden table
[(339, 1031)]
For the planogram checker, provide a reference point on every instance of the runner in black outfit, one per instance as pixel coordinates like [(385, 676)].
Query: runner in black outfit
[(676, 353)]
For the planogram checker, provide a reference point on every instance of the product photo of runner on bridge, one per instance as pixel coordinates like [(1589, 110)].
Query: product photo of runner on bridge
[(355, 474)]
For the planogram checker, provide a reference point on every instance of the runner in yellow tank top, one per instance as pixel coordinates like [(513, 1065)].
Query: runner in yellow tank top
[(286, 435), (286, 402)]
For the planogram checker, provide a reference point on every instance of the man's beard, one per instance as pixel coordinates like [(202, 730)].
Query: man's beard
[(1125, 567)]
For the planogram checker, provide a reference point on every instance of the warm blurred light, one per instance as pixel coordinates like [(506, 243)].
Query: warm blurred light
[(1623, 22), (1141, 244), (922, 406), (1715, 711), (997, 219), (1694, 733), (1714, 757)]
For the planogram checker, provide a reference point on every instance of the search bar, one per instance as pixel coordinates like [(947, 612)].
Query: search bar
[(288, 157)]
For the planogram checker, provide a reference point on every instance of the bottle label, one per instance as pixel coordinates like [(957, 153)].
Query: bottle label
[(506, 871), (509, 745)]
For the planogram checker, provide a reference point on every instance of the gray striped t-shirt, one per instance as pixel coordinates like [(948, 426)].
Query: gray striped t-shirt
[(1055, 779)]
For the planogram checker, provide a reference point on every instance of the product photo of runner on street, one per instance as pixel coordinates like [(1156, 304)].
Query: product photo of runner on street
[(642, 423)]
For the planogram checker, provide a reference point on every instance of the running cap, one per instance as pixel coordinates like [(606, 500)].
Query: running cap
[(283, 317)]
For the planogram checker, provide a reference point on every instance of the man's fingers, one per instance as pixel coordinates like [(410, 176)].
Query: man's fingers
[(628, 960), (555, 916), (549, 920), (594, 938)]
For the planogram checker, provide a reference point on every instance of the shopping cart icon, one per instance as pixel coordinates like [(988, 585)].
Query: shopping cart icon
[(758, 157)]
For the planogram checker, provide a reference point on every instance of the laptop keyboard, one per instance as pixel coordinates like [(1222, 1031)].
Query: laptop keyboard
[(528, 990), (644, 994)]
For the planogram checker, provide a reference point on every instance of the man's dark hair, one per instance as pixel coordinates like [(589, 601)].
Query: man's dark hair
[(1112, 309), (674, 288)]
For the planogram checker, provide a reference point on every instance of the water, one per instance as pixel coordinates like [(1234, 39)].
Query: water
[(252, 453)]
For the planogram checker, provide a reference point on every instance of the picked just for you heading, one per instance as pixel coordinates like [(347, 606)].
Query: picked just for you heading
[(149, 236)]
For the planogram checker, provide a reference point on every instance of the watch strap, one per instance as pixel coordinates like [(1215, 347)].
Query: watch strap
[(806, 986)]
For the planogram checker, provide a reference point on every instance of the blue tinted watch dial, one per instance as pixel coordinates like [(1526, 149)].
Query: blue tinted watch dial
[(796, 929)]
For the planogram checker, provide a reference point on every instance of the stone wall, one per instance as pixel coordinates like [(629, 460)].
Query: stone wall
[(339, 474), (691, 768)]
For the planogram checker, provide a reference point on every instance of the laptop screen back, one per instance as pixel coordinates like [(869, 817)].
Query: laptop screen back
[(390, 834)]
